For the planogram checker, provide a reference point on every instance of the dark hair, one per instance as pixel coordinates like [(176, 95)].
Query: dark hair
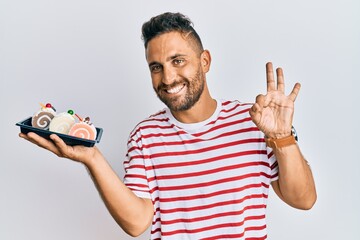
[(168, 22)]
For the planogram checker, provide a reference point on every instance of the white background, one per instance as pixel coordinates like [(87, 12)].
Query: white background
[(88, 56)]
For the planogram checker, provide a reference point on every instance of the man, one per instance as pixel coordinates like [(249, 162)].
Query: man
[(201, 168)]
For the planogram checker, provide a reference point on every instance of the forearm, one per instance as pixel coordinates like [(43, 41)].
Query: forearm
[(296, 184), (133, 214)]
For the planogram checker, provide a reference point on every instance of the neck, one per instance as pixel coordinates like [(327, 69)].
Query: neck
[(202, 110)]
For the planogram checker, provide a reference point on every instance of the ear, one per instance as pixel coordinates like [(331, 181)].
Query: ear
[(205, 59)]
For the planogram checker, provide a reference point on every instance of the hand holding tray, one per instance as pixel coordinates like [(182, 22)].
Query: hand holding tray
[(25, 127)]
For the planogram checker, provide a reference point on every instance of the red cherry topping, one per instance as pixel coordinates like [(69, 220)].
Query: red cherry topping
[(48, 105)]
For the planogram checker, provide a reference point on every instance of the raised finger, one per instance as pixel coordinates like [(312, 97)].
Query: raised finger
[(280, 80), (295, 92), (270, 77)]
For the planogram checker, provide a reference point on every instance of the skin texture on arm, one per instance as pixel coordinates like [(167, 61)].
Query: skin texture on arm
[(133, 214), (273, 114), (295, 185)]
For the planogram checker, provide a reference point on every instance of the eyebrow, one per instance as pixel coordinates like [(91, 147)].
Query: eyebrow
[(175, 56), (168, 59)]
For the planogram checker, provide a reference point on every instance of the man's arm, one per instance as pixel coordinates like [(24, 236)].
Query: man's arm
[(295, 185), (273, 114), (133, 214)]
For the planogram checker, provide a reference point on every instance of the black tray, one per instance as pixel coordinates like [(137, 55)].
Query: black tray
[(25, 127)]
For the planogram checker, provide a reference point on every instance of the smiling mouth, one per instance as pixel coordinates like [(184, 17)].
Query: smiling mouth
[(175, 89)]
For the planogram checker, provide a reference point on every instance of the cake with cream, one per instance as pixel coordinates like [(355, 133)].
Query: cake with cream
[(42, 118), (62, 122), (67, 123), (83, 129)]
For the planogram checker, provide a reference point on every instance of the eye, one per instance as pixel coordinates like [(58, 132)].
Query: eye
[(155, 68), (178, 61)]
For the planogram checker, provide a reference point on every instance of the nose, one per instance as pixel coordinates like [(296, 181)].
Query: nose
[(169, 75)]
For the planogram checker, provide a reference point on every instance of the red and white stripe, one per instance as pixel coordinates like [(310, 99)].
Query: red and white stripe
[(207, 180)]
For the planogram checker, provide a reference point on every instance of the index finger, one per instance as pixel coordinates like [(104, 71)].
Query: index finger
[(60, 144), (270, 77)]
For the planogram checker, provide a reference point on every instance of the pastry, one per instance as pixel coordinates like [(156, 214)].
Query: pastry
[(42, 118), (62, 122), (83, 129)]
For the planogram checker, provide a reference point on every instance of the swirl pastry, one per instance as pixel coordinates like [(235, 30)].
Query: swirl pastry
[(83, 130), (43, 117)]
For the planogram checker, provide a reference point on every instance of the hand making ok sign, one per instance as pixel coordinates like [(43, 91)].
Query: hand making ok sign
[(273, 113)]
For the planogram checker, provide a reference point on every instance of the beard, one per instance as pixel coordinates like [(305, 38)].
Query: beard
[(194, 89)]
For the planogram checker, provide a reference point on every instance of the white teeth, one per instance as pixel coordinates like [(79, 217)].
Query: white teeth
[(175, 89)]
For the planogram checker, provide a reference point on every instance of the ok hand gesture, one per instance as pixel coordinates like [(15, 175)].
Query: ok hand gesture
[(273, 113)]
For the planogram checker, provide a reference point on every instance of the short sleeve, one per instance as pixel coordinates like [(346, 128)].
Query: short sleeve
[(135, 171)]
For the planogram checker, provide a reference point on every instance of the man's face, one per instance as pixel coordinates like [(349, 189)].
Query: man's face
[(176, 72)]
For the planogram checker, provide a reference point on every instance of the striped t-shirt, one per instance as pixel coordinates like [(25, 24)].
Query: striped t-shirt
[(208, 180)]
